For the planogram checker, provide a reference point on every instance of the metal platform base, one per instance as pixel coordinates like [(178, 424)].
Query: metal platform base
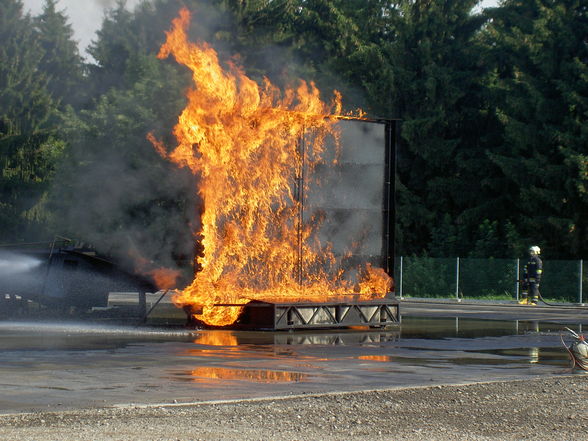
[(325, 315)]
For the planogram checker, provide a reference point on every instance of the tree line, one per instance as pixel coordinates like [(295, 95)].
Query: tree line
[(493, 148)]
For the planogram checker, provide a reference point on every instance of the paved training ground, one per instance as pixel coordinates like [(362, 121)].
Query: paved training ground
[(572, 314), (67, 365)]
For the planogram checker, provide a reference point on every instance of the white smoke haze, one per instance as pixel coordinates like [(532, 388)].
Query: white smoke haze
[(128, 217), (106, 3), (351, 193)]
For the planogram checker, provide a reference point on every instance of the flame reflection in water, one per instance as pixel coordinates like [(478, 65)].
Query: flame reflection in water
[(252, 375), (384, 358)]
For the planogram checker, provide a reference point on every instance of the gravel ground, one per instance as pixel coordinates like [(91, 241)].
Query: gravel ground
[(554, 408)]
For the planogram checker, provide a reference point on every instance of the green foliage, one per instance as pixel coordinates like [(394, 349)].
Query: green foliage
[(61, 61), (561, 281), (26, 103), (426, 277), (437, 74), (540, 92), (339, 46), (28, 149), (478, 278), (484, 278), (493, 151), (481, 278)]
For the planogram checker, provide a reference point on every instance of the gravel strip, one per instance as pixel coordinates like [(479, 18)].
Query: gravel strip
[(553, 408)]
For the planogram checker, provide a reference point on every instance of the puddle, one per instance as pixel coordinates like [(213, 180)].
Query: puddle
[(46, 365), (380, 358), (252, 375), (531, 355), (433, 327)]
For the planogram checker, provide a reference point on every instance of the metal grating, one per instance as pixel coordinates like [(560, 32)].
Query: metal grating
[(289, 316)]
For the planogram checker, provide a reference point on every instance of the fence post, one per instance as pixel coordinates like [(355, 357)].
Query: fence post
[(457, 280), (400, 277), (580, 294), (517, 284)]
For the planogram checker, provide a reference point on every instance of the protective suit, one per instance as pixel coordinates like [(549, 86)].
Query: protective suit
[(532, 273)]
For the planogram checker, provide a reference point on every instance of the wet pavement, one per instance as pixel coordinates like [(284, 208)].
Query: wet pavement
[(67, 365)]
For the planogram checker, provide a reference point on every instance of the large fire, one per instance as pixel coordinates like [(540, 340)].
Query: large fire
[(243, 141)]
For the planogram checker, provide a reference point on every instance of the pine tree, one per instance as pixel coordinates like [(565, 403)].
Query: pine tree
[(542, 99), (436, 89), (112, 50), (357, 40), (23, 89), (61, 61), (26, 145)]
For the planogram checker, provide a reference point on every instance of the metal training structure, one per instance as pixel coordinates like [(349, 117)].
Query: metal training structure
[(353, 193), (334, 314)]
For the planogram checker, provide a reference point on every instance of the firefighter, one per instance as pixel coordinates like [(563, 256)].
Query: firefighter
[(532, 277)]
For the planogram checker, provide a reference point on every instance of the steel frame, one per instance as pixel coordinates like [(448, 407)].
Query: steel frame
[(289, 316)]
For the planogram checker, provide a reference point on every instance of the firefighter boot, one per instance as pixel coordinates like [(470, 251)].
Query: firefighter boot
[(524, 300)]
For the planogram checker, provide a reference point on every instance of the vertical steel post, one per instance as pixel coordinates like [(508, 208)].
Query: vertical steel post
[(457, 280), (389, 206), (300, 179), (401, 269), (580, 294), (517, 284)]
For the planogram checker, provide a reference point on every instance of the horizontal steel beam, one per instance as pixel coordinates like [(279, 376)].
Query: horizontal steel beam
[(287, 316)]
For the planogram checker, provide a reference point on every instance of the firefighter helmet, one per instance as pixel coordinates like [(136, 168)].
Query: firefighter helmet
[(534, 250)]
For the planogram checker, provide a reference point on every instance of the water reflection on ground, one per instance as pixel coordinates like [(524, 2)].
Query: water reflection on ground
[(71, 365)]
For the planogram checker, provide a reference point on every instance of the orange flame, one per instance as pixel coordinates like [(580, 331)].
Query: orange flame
[(165, 278), (242, 141)]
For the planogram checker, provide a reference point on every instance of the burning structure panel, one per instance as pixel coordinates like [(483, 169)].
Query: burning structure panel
[(296, 196), (351, 191), (348, 200)]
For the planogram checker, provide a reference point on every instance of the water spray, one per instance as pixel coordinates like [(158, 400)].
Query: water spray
[(13, 263)]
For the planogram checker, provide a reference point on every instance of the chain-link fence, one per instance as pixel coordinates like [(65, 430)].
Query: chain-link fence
[(562, 281)]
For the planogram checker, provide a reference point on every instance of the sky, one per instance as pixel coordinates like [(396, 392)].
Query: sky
[(86, 16)]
